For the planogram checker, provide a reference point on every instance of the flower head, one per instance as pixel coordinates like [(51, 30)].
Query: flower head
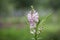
[(33, 18)]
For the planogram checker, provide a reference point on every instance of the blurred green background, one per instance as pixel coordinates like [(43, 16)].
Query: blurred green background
[(12, 19)]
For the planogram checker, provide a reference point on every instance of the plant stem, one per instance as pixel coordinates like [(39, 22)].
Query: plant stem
[(36, 34)]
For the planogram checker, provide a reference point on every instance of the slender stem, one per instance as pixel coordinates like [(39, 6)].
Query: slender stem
[(36, 34), (36, 29)]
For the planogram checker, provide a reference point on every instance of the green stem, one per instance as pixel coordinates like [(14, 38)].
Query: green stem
[(36, 34)]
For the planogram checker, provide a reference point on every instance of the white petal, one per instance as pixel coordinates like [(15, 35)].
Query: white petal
[(35, 14), (29, 17), (32, 31)]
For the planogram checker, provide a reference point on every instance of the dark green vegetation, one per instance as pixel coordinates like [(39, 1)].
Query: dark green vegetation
[(7, 6)]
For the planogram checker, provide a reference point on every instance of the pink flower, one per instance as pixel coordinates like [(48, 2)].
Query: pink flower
[(33, 18)]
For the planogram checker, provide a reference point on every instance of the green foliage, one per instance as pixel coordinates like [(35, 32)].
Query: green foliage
[(49, 33), (24, 34), (44, 20)]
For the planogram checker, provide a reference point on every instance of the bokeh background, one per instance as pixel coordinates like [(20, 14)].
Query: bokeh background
[(12, 19)]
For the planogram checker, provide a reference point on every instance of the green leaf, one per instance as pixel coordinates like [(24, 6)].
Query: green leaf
[(44, 20), (26, 21)]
